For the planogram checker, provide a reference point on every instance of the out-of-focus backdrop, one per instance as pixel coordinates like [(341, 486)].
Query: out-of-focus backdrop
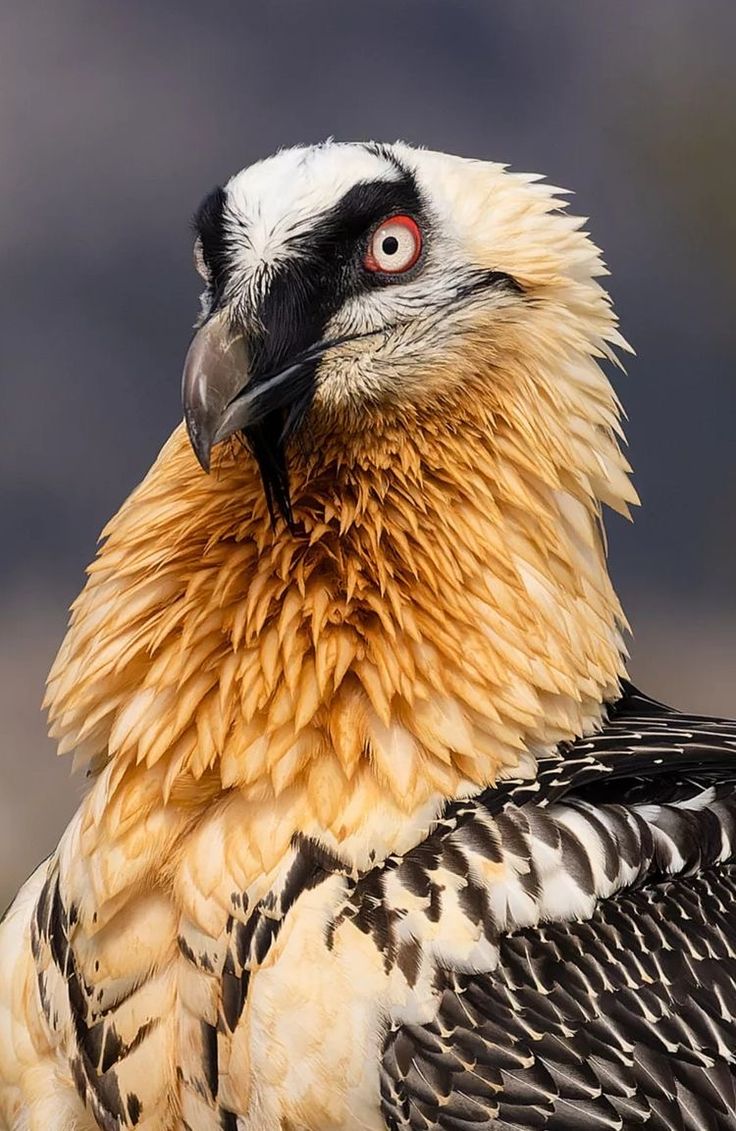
[(116, 118)]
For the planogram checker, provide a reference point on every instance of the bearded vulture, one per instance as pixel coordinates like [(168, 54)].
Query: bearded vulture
[(377, 834)]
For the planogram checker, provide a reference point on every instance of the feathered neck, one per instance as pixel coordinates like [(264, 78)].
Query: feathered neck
[(443, 614)]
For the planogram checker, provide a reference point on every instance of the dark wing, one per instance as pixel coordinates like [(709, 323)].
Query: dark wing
[(628, 1018)]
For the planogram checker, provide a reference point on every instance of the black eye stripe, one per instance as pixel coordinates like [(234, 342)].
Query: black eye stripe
[(363, 208), (323, 270)]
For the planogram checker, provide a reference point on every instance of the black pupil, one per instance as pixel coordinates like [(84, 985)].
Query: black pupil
[(390, 245)]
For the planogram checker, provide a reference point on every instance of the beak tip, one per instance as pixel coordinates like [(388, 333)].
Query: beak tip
[(203, 460), (200, 439)]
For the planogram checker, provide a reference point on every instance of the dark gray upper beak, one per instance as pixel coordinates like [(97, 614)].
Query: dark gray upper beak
[(215, 372)]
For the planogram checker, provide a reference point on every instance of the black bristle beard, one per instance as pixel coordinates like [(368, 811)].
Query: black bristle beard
[(269, 441), (269, 451)]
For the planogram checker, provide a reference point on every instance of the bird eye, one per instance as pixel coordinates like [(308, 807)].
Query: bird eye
[(394, 247)]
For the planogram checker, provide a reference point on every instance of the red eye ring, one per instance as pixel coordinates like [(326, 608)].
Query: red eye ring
[(394, 246)]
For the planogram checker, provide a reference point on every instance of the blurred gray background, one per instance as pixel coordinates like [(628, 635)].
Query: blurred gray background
[(115, 118)]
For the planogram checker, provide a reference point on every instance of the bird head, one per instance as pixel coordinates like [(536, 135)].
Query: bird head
[(351, 285)]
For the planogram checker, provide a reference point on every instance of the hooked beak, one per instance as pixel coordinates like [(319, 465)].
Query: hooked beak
[(222, 395), (215, 371)]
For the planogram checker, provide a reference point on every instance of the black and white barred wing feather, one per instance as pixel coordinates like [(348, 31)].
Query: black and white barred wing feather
[(621, 1021), (611, 1002)]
